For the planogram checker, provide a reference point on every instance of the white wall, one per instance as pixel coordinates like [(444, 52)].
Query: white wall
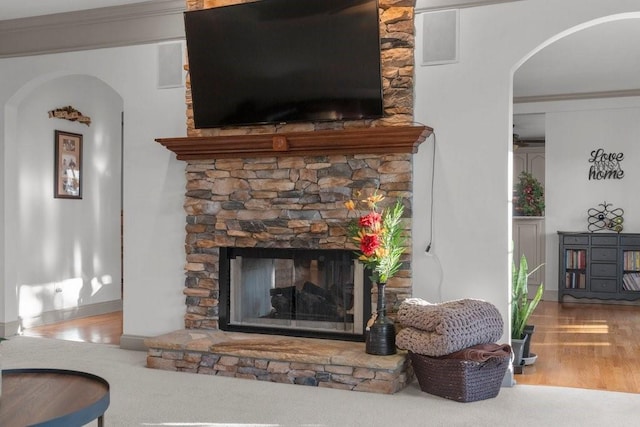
[(153, 178), (469, 104), (571, 137), (573, 130), (64, 244)]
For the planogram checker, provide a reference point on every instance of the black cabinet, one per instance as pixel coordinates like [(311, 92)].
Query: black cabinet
[(599, 266)]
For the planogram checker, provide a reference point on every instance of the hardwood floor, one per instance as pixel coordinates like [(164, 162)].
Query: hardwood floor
[(102, 329), (594, 346)]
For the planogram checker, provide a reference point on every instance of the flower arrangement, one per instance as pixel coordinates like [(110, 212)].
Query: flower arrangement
[(529, 196), (378, 235)]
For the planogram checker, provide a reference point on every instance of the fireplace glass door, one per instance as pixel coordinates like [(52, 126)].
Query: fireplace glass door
[(301, 292)]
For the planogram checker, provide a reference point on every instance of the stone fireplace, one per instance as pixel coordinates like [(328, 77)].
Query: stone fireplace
[(280, 202), (298, 292), (258, 193)]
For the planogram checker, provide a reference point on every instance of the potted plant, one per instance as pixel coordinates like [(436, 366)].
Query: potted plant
[(521, 306), (1, 339)]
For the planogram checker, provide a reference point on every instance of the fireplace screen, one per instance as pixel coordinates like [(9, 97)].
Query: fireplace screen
[(300, 292)]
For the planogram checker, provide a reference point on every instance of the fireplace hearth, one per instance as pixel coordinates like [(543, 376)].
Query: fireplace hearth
[(296, 292)]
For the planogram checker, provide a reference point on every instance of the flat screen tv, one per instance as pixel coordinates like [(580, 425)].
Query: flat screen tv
[(280, 61)]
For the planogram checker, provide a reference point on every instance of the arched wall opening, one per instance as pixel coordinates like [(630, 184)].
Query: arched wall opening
[(469, 103), (62, 256), (573, 127)]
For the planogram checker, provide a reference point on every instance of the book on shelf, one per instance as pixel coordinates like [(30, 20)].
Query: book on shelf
[(631, 281), (632, 260), (575, 280), (576, 258)]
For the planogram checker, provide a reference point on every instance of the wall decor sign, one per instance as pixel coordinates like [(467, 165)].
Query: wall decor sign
[(68, 165), (71, 114), (604, 218), (605, 165)]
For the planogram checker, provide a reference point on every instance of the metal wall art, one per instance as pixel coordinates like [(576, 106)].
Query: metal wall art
[(605, 165), (605, 218)]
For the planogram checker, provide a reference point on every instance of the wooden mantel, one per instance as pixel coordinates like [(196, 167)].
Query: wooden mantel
[(374, 140)]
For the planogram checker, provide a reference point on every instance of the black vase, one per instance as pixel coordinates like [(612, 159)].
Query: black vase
[(381, 335)]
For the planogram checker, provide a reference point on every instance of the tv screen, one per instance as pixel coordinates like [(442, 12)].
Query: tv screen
[(279, 61)]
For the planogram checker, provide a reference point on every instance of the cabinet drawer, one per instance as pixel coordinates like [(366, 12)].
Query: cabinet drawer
[(630, 240), (604, 270), (604, 254), (604, 240), (575, 240), (603, 285)]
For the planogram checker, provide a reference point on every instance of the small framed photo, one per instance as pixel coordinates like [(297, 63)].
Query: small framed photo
[(68, 165)]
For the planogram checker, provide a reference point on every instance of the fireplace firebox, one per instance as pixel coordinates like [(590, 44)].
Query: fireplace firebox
[(315, 293)]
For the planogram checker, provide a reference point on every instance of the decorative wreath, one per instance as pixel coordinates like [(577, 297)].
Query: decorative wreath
[(528, 199)]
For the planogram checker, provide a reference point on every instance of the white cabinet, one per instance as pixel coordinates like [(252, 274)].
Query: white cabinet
[(528, 239), (528, 159), (528, 231)]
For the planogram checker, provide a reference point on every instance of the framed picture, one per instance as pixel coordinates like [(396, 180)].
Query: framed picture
[(68, 165)]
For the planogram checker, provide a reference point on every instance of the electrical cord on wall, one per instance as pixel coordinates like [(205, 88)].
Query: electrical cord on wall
[(428, 252), (433, 176), (432, 255)]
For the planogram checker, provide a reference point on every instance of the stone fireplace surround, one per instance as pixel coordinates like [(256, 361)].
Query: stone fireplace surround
[(285, 187), (273, 199)]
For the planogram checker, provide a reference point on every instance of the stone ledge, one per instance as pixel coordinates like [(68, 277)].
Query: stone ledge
[(305, 361)]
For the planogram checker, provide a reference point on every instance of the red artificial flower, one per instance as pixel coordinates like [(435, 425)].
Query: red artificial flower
[(371, 220), (368, 244), (378, 236)]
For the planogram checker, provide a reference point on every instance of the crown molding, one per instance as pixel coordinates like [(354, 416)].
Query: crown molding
[(576, 96), (137, 23), (432, 5)]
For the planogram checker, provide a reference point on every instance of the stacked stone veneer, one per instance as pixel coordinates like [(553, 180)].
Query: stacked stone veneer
[(296, 202), (292, 202), (304, 361), (281, 202), (396, 45)]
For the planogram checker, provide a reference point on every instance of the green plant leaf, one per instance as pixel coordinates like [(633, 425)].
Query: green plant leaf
[(521, 306)]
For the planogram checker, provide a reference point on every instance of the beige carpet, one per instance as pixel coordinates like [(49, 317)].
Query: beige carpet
[(149, 397)]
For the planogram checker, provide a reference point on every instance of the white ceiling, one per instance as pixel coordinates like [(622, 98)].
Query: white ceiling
[(600, 59)]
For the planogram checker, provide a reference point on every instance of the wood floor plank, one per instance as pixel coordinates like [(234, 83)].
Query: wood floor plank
[(101, 329), (594, 346), (591, 346)]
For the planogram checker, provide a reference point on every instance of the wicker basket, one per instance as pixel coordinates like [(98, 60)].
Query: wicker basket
[(460, 380)]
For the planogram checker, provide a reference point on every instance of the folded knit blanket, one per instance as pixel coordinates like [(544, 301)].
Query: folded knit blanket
[(481, 352), (444, 328)]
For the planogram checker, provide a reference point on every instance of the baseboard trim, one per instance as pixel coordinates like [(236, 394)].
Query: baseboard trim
[(55, 316), (9, 329), (133, 342)]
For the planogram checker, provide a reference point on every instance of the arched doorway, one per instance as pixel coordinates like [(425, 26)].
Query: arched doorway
[(66, 257), (590, 67), (576, 93)]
